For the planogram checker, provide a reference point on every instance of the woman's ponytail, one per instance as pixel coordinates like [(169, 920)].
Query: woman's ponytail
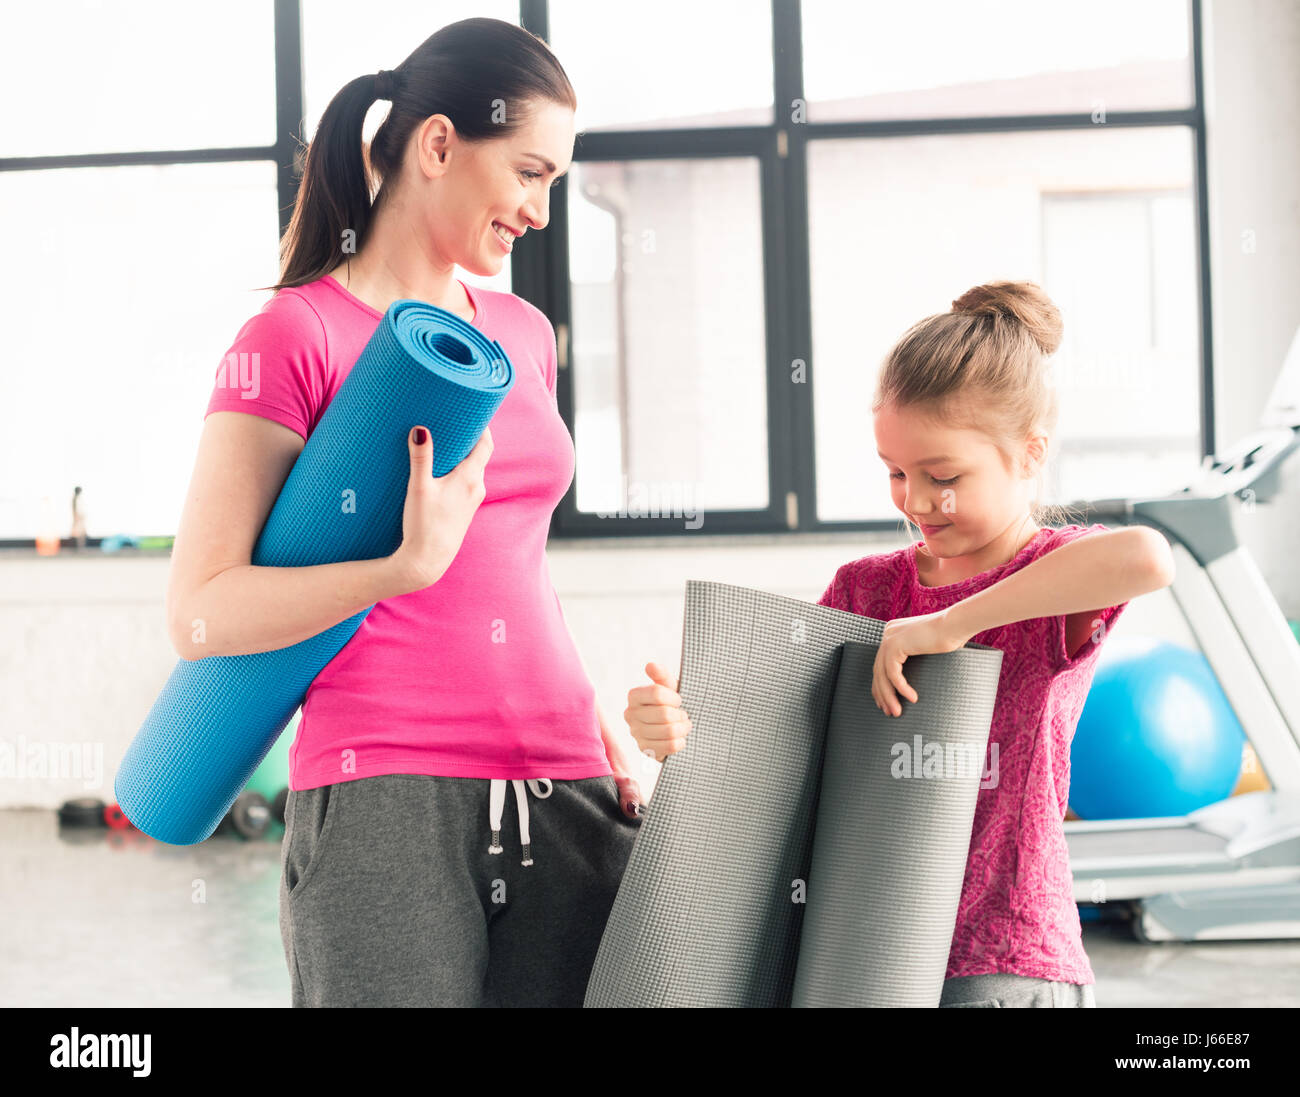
[(332, 212)]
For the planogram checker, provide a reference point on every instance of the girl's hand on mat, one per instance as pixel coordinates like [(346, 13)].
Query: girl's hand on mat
[(655, 715), (930, 632), (438, 510)]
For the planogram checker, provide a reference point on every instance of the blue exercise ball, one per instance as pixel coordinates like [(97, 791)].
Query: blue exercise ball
[(1156, 735)]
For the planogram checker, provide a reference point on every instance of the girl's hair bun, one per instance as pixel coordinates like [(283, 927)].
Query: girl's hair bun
[(1022, 302)]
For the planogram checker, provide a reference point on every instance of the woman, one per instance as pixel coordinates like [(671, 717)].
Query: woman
[(463, 679)]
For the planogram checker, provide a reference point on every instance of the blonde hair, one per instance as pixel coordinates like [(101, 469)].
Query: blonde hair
[(983, 366)]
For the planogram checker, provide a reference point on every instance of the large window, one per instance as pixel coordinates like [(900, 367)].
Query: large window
[(948, 58), (763, 198), (138, 173), (1103, 221), (900, 154), (147, 166), (662, 344), (676, 63), (110, 358), (95, 76)]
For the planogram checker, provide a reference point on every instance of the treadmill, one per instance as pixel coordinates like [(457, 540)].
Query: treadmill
[(1231, 870)]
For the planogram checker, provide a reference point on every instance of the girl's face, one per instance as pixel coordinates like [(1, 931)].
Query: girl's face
[(495, 189), (951, 483)]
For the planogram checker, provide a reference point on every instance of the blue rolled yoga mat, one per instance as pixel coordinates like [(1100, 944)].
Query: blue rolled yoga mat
[(218, 717)]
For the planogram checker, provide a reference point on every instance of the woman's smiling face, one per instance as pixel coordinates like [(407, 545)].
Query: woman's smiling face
[(493, 188)]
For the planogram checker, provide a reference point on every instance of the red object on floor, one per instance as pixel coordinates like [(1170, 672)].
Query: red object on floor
[(116, 818)]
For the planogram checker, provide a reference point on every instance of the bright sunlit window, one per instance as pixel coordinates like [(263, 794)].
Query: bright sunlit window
[(900, 159)]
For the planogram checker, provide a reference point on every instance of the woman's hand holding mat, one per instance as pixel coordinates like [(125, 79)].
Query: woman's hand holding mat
[(438, 510)]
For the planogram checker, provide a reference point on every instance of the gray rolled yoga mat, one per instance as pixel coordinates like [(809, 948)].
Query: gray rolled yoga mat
[(792, 778)]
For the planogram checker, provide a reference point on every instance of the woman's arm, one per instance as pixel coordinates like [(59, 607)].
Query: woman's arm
[(626, 764), (218, 603), (1088, 574)]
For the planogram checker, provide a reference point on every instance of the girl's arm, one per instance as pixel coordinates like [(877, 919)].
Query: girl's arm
[(1083, 577)]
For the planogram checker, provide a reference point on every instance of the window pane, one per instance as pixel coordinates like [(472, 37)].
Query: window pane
[(945, 58), (669, 358), (341, 42), (123, 306), (682, 64), (1102, 220), (84, 76)]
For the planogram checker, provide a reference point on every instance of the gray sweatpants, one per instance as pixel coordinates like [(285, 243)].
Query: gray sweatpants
[(397, 890), (1003, 990)]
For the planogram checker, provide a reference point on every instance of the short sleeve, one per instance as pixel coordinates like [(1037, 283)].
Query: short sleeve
[(275, 368), (1079, 636)]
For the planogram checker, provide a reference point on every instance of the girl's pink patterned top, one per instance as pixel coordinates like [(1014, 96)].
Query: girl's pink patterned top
[(1017, 912)]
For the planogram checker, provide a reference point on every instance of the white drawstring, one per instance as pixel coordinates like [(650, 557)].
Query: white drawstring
[(496, 807)]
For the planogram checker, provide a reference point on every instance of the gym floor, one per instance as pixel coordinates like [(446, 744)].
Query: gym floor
[(103, 922)]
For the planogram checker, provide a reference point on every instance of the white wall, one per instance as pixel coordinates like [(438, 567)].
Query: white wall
[(84, 651), (1252, 92)]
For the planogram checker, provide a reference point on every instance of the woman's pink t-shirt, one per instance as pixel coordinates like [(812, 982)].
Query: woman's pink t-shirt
[(1017, 912), (476, 675)]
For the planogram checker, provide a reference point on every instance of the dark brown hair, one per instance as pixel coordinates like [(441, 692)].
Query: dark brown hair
[(983, 366), (483, 74)]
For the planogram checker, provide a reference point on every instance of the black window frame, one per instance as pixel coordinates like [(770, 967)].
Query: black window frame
[(540, 271), (285, 154), (540, 263)]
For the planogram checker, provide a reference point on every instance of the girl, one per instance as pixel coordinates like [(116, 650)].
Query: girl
[(464, 676), (963, 416)]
